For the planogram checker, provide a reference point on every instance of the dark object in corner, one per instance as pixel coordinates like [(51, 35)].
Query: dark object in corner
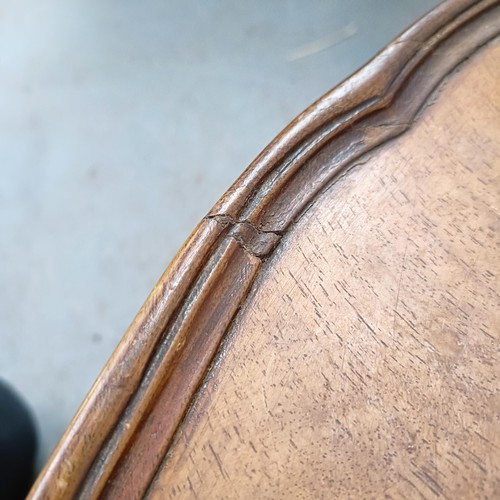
[(18, 445)]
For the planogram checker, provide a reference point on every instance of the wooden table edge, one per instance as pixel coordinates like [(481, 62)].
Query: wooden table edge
[(219, 262)]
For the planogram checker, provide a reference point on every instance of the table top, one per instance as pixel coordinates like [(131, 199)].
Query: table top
[(331, 327)]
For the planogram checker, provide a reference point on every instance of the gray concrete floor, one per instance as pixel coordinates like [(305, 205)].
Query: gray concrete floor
[(121, 123)]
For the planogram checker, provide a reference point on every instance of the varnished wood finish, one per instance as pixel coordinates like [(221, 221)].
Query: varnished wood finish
[(127, 424), (364, 363)]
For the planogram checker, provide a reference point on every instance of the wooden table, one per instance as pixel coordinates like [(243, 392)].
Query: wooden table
[(331, 329)]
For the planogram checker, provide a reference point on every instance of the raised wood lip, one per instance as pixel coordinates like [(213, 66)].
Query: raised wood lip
[(249, 219)]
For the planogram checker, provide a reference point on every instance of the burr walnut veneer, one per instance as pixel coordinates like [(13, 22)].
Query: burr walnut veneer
[(331, 329)]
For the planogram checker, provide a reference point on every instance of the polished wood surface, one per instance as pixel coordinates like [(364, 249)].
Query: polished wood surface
[(365, 362), (331, 326)]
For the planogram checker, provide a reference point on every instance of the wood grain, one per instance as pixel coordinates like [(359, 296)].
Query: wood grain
[(365, 362), (125, 427)]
